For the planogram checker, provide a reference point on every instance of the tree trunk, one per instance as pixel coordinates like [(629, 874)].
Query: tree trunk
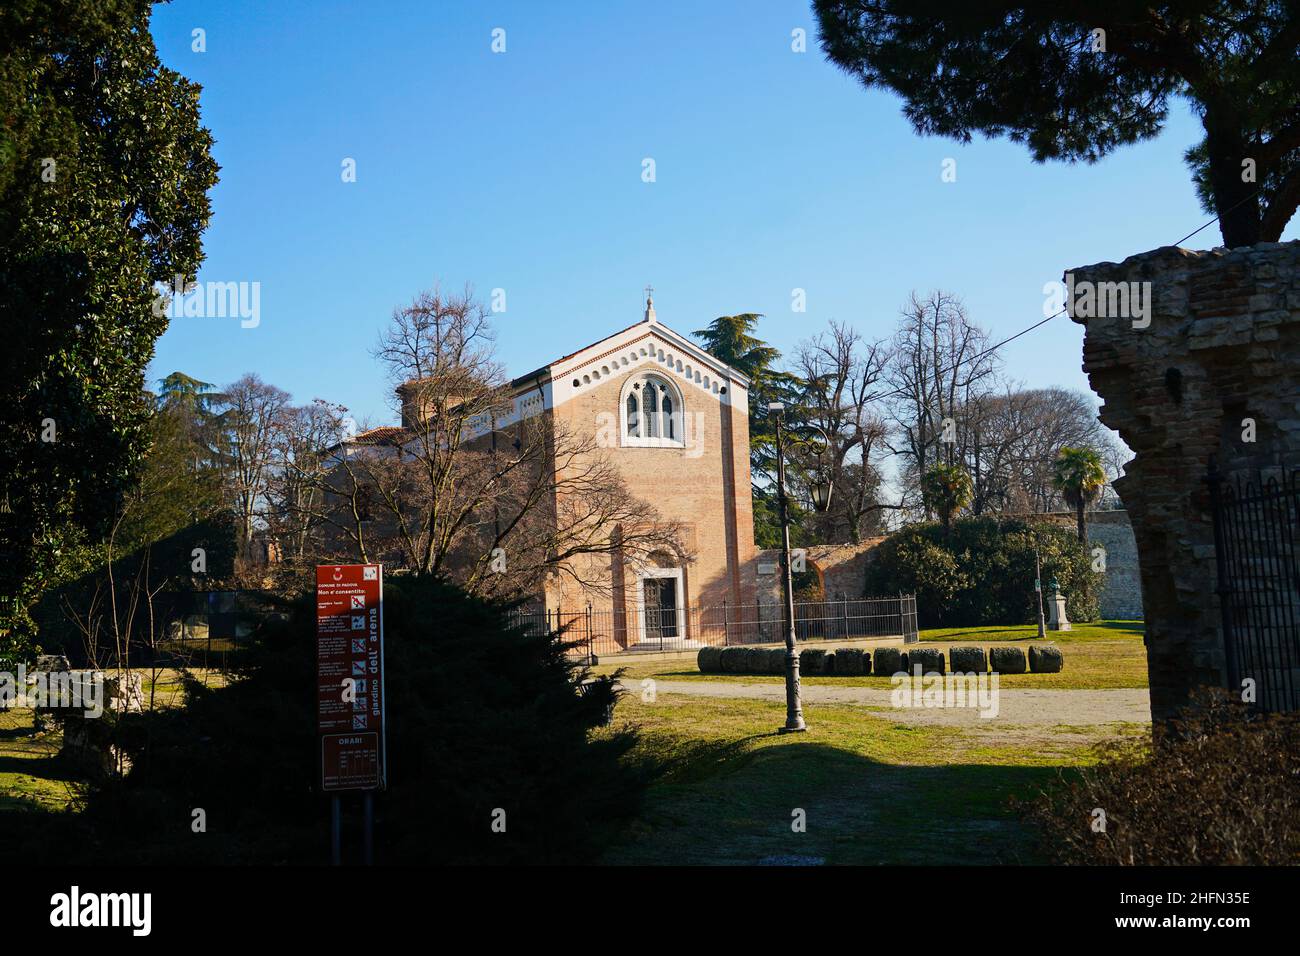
[(1083, 523), (1236, 202)]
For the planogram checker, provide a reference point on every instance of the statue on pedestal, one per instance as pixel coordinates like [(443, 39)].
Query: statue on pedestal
[(1057, 620)]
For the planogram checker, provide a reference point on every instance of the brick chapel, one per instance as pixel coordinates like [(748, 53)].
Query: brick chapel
[(680, 417), (682, 423)]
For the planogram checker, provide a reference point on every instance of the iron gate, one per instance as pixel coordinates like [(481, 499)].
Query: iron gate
[(1255, 531)]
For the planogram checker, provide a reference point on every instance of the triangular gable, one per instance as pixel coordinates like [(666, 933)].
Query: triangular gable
[(646, 344)]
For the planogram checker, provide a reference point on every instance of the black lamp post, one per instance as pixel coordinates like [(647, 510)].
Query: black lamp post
[(821, 496), (1038, 591)]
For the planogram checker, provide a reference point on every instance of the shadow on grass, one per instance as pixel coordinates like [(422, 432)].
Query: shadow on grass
[(1014, 633), (1128, 627), (727, 808), (14, 733), (46, 768), (674, 760)]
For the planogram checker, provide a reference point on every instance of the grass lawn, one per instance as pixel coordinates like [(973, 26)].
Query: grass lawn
[(872, 791), (30, 774), (1105, 655), (32, 777)]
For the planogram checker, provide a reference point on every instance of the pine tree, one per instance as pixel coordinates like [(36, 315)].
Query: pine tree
[(730, 338), (1075, 81)]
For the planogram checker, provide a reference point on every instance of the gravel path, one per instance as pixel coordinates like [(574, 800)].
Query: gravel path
[(1045, 708)]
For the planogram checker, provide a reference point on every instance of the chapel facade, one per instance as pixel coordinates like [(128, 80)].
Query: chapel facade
[(674, 420)]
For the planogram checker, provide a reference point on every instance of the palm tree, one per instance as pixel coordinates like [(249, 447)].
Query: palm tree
[(946, 489), (1077, 474)]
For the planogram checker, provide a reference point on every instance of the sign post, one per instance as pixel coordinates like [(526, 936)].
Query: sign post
[(350, 687)]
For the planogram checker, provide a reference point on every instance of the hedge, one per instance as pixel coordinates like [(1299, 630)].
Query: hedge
[(887, 660), (967, 660), (1006, 660), (883, 661), (929, 659), (1045, 659), (850, 661), (982, 571), (812, 660)]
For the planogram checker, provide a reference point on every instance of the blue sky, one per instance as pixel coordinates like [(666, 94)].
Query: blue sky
[(523, 171)]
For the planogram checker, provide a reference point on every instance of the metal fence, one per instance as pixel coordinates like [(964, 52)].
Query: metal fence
[(206, 629), (1255, 531), (601, 632)]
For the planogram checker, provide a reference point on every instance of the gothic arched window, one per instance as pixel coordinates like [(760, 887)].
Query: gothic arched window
[(652, 407), (633, 423), (651, 389)]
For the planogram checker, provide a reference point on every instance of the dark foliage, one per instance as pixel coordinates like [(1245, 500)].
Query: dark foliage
[(161, 567), (104, 174), (1219, 787), (1076, 81), (982, 571), (480, 717)]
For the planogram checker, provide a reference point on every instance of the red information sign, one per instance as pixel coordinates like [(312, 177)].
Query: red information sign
[(350, 675)]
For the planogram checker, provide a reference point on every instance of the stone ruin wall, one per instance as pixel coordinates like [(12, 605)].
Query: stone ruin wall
[(1222, 345), (1121, 594), (843, 569), (844, 566)]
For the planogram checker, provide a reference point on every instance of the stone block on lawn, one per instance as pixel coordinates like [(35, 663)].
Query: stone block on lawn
[(848, 661), (754, 661), (812, 661), (887, 661), (1045, 658), (828, 664), (734, 659), (1006, 660), (929, 659), (774, 660), (967, 660), (709, 660)]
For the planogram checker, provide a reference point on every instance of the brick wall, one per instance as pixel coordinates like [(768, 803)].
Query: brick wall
[(704, 484), (1222, 344)]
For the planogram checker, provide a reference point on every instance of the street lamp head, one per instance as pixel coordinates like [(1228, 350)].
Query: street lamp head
[(821, 495), (776, 406)]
